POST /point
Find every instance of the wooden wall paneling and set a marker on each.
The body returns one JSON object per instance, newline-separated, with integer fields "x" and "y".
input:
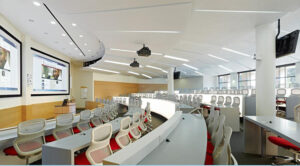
{"x": 104, "y": 89}
{"x": 10, "y": 116}
{"x": 149, "y": 88}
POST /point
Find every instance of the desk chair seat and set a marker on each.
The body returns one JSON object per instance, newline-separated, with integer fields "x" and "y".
{"x": 217, "y": 109}
{"x": 81, "y": 159}
{"x": 209, "y": 160}
{"x": 280, "y": 102}
{"x": 208, "y": 135}
{"x": 76, "y": 130}
{"x": 50, "y": 138}
{"x": 114, "y": 145}
{"x": 283, "y": 143}
{"x": 209, "y": 148}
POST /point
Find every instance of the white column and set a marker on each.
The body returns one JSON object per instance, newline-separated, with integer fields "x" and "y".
{"x": 265, "y": 70}
{"x": 171, "y": 81}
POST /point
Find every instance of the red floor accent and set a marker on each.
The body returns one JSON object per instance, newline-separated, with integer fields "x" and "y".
{"x": 10, "y": 151}
{"x": 76, "y": 130}
{"x": 50, "y": 138}
{"x": 209, "y": 160}
{"x": 283, "y": 143}
{"x": 81, "y": 159}
{"x": 209, "y": 148}
{"x": 114, "y": 145}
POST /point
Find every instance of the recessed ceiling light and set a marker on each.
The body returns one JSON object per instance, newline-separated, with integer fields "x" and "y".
{"x": 63, "y": 34}
{"x": 131, "y": 72}
{"x": 174, "y": 32}
{"x": 223, "y": 67}
{"x": 115, "y": 62}
{"x": 36, "y": 3}
{"x": 153, "y": 67}
{"x": 156, "y": 53}
{"x": 199, "y": 73}
{"x": 238, "y": 11}
{"x": 236, "y": 52}
{"x": 189, "y": 66}
{"x": 74, "y": 25}
{"x": 176, "y": 58}
{"x": 164, "y": 71}
{"x": 216, "y": 57}
{"x": 53, "y": 22}
{"x": 146, "y": 76}
{"x": 80, "y": 35}
{"x": 71, "y": 43}
{"x": 110, "y": 71}
{"x": 85, "y": 44}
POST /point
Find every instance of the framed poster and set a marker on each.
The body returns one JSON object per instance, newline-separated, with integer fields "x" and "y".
{"x": 10, "y": 65}
{"x": 50, "y": 75}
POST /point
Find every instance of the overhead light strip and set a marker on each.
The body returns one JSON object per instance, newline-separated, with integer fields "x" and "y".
{"x": 189, "y": 66}
{"x": 176, "y": 58}
{"x": 238, "y": 11}
{"x": 168, "y": 32}
{"x": 236, "y": 52}
{"x": 105, "y": 70}
{"x": 199, "y": 73}
{"x": 223, "y": 67}
{"x": 63, "y": 29}
{"x": 157, "y": 68}
{"x": 146, "y": 76}
{"x": 118, "y": 63}
{"x": 131, "y": 72}
{"x": 216, "y": 57}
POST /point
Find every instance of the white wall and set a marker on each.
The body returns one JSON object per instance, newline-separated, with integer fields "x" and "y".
{"x": 27, "y": 62}
{"x": 189, "y": 83}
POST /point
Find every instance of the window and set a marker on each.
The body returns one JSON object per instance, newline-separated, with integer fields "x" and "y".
{"x": 246, "y": 80}
{"x": 224, "y": 81}
{"x": 285, "y": 76}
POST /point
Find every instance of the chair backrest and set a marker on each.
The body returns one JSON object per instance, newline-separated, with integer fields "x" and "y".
{"x": 222, "y": 153}
{"x": 122, "y": 137}
{"x": 100, "y": 144}
{"x": 236, "y": 102}
{"x": 228, "y": 101}
{"x": 213, "y": 99}
{"x": 220, "y": 100}
{"x": 84, "y": 123}
{"x": 97, "y": 100}
{"x": 134, "y": 131}
{"x": 30, "y": 137}
{"x": 281, "y": 92}
{"x": 295, "y": 91}
{"x": 297, "y": 113}
{"x": 214, "y": 122}
{"x": 218, "y": 133}
{"x": 63, "y": 126}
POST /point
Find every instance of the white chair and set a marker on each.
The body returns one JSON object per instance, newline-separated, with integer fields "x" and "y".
{"x": 218, "y": 131}
{"x": 213, "y": 122}
{"x": 297, "y": 113}
{"x": 213, "y": 99}
{"x": 84, "y": 123}
{"x": 245, "y": 92}
{"x": 30, "y": 138}
{"x": 228, "y": 101}
{"x": 134, "y": 131}
{"x": 142, "y": 125}
{"x": 253, "y": 92}
{"x": 220, "y": 100}
{"x": 122, "y": 137}
{"x": 236, "y": 102}
{"x": 104, "y": 117}
{"x": 99, "y": 147}
{"x": 222, "y": 153}
{"x": 63, "y": 126}
{"x": 96, "y": 121}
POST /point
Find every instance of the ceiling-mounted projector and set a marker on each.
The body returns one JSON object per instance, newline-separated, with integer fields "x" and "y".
{"x": 145, "y": 51}
{"x": 134, "y": 63}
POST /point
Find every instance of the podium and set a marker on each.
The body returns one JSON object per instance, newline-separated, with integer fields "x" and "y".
{"x": 69, "y": 108}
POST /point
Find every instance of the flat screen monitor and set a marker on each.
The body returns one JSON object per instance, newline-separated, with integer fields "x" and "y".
{"x": 50, "y": 75}
{"x": 287, "y": 44}
{"x": 10, "y": 65}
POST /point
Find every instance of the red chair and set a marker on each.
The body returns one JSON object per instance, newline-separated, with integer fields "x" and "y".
{"x": 286, "y": 145}
{"x": 50, "y": 138}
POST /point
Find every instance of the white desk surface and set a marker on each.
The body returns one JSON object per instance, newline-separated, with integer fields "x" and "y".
{"x": 187, "y": 144}
{"x": 284, "y": 128}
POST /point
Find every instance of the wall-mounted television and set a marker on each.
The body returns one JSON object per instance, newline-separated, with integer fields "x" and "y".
{"x": 287, "y": 44}
{"x": 10, "y": 65}
{"x": 50, "y": 75}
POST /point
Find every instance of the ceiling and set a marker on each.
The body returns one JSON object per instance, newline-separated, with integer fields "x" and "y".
{"x": 195, "y": 30}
